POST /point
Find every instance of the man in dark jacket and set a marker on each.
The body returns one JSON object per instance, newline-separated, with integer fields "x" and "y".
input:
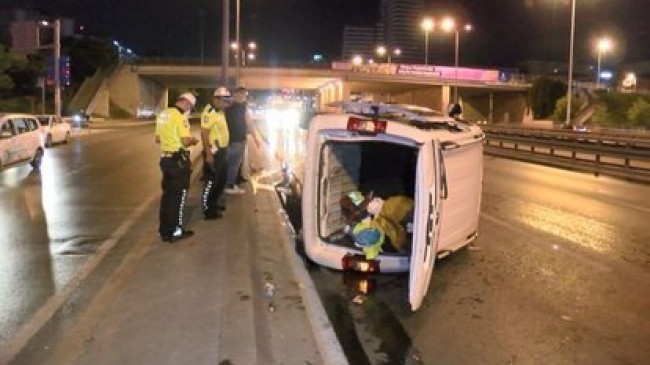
{"x": 240, "y": 124}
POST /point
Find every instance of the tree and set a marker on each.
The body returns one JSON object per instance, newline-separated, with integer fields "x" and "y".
{"x": 639, "y": 112}
{"x": 559, "y": 115}
{"x": 544, "y": 95}
{"x": 7, "y": 61}
{"x": 602, "y": 116}
{"x": 87, "y": 54}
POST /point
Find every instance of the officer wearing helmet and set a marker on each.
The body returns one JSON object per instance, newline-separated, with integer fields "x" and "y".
{"x": 215, "y": 139}
{"x": 173, "y": 136}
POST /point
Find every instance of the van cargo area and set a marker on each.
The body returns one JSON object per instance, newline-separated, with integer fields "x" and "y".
{"x": 382, "y": 168}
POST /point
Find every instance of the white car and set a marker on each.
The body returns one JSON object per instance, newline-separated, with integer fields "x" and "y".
{"x": 20, "y": 140}
{"x": 392, "y": 152}
{"x": 54, "y": 130}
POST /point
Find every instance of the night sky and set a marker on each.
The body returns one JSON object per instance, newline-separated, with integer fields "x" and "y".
{"x": 507, "y": 32}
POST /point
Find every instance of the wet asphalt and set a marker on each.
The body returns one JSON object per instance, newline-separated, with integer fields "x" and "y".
{"x": 53, "y": 221}
{"x": 560, "y": 274}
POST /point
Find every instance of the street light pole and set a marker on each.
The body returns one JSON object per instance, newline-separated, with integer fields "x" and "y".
{"x": 57, "y": 68}
{"x": 456, "y": 52}
{"x": 600, "y": 56}
{"x": 238, "y": 26}
{"x": 570, "y": 77}
{"x": 426, "y": 47}
{"x": 201, "y": 13}
{"x": 427, "y": 26}
{"x": 603, "y": 45}
{"x": 225, "y": 42}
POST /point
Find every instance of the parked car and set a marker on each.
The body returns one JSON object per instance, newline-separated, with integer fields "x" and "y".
{"x": 54, "y": 130}
{"x": 20, "y": 140}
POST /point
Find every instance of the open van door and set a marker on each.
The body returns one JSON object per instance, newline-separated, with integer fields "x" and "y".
{"x": 428, "y": 187}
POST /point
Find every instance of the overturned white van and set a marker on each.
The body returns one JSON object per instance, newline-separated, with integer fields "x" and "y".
{"x": 392, "y": 150}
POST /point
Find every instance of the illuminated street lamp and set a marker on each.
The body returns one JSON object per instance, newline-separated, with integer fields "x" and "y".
{"x": 448, "y": 24}
{"x": 250, "y": 57}
{"x": 381, "y": 52}
{"x": 397, "y": 52}
{"x": 602, "y": 45}
{"x": 242, "y": 54}
{"x": 427, "y": 25}
{"x": 357, "y": 60}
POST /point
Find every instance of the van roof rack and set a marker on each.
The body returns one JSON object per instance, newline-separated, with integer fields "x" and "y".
{"x": 417, "y": 116}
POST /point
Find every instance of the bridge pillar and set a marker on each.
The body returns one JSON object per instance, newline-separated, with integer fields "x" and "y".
{"x": 163, "y": 100}
{"x": 445, "y": 98}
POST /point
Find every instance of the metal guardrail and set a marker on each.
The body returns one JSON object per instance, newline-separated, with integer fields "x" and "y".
{"x": 623, "y": 157}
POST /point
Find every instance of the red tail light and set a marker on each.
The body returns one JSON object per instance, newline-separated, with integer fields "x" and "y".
{"x": 359, "y": 263}
{"x": 366, "y": 126}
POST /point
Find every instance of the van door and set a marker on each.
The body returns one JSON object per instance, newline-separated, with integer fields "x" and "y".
{"x": 428, "y": 187}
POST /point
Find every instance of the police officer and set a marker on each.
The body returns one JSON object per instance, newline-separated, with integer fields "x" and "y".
{"x": 173, "y": 135}
{"x": 215, "y": 138}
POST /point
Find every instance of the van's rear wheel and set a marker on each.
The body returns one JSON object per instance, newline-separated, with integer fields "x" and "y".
{"x": 38, "y": 158}
{"x": 48, "y": 140}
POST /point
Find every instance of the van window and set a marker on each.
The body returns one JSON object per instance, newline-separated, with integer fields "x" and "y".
{"x": 7, "y": 130}
{"x": 33, "y": 124}
{"x": 44, "y": 121}
{"x": 385, "y": 169}
{"x": 21, "y": 125}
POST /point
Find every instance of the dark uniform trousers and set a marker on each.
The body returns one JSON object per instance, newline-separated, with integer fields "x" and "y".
{"x": 214, "y": 180}
{"x": 176, "y": 171}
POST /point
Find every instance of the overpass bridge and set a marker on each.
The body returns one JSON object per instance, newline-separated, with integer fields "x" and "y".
{"x": 483, "y": 93}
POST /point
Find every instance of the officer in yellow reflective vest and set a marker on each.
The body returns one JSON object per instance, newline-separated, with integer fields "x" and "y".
{"x": 173, "y": 135}
{"x": 214, "y": 137}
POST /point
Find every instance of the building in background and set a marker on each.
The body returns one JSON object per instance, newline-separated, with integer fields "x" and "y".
{"x": 398, "y": 28}
{"x": 360, "y": 41}
{"x": 9, "y": 15}
{"x": 400, "y": 25}
{"x": 26, "y": 37}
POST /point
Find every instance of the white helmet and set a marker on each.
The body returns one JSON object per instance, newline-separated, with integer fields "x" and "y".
{"x": 189, "y": 97}
{"x": 222, "y": 91}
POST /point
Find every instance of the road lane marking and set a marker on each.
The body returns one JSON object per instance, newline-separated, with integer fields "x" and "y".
{"x": 13, "y": 347}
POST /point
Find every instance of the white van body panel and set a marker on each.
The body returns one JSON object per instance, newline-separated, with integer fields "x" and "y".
{"x": 464, "y": 173}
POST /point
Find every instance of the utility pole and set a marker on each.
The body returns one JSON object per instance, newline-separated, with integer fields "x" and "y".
{"x": 225, "y": 42}
{"x": 201, "y": 13}
{"x": 238, "y": 58}
{"x": 569, "y": 92}
{"x": 57, "y": 67}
